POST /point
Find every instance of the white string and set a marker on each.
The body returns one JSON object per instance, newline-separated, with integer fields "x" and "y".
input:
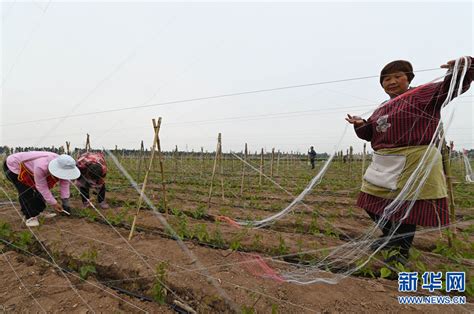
{"x": 315, "y": 181}
{"x": 467, "y": 167}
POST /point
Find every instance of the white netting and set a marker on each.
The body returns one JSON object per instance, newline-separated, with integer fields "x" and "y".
{"x": 467, "y": 166}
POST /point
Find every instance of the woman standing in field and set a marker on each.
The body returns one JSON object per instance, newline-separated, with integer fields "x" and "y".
{"x": 34, "y": 174}
{"x": 400, "y": 132}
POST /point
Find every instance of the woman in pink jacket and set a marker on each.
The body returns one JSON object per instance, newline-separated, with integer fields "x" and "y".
{"x": 34, "y": 174}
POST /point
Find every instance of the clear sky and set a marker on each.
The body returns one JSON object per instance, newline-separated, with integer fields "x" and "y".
{"x": 68, "y": 58}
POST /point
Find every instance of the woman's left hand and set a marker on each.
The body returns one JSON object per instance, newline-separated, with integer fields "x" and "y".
{"x": 450, "y": 63}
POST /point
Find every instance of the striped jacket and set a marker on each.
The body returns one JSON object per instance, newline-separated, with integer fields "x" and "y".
{"x": 409, "y": 120}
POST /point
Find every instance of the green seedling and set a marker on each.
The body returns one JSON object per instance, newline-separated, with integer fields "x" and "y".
{"x": 159, "y": 291}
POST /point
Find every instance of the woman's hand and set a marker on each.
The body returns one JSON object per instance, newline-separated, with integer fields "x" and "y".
{"x": 58, "y": 207}
{"x": 355, "y": 120}
{"x": 450, "y": 63}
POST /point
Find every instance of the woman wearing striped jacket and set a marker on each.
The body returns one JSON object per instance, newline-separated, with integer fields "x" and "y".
{"x": 400, "y": 132}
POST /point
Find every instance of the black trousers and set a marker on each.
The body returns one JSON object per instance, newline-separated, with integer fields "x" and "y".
{"x": 31, "y": 201}
{"x": 85, "y": 193}
{"x": 401, "y": 239}
{"x": 312, "y": 163}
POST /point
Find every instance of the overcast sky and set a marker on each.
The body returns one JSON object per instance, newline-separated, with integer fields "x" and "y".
{"x": 69, "y": 58}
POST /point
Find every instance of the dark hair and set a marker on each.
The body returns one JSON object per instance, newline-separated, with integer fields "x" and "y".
{"x": 397, "y": 66}
{"x": 94, "y": 171}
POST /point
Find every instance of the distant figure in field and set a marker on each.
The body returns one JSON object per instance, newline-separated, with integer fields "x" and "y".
{"x": 34, "y": 174}
{"x": 93, "y": 171}
{"x": 312, "y": 156}
{"x": 400, "y": 132}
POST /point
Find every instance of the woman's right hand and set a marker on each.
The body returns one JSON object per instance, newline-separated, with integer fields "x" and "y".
{"x": 58, "y": 207}
{"x": 355, "y": 120}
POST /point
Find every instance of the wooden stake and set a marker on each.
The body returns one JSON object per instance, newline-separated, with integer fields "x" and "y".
{"x": 350, "y": 160}
{"x": 271, "y": 165}
{"x": 176, "y": 163}
{"x": 461, "y": 161}
{"x": 243, "y": 170}
{"x": 88, "y": 143}
{"x": 278, "y": 163}
{"x": 145, "y": 180}
{"x": 261, "y": 168}
{"x": 449, "y": 183}
{"x": 140, "y": 160}
{"x": 157, "y": 126}
{"x": 68, "y": 148}
{"x": 221, "y": 164}
{"x": 363, "y": 161}
{"x": 214, "y": 170}
{"x": 202, "y": 162}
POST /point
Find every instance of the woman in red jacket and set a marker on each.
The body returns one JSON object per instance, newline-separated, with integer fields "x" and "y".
{"x": 400, "y": 132}
{"x": 93, "y": 171}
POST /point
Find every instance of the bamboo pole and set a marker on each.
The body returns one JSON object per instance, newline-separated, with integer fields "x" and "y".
{"x": 363, "y": 161}
{"x": 216, "y": 157}
{"x": 140, "y": 160}
{"x": 221, "y": 164}
{"x": 449, "y": 183}
{"x": 88, "y": 143}
{"x": 273, "y": 160}
{"x": 214, "y": 170}
{"x": 145, "y": 180}
{"x": 278, "y": 164}
{"x": 157, "y": 126}
{"x": 261, "y": 168}
{"x": 451, "y": 149}
{"x": 350, "y": 160}
{"x": 202, "y": 162}
{"x": 68, "y": 148}
{"x": 176, "y": 163}
{"x": 243, "y": 170}
{"x": 448, "y": 175}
